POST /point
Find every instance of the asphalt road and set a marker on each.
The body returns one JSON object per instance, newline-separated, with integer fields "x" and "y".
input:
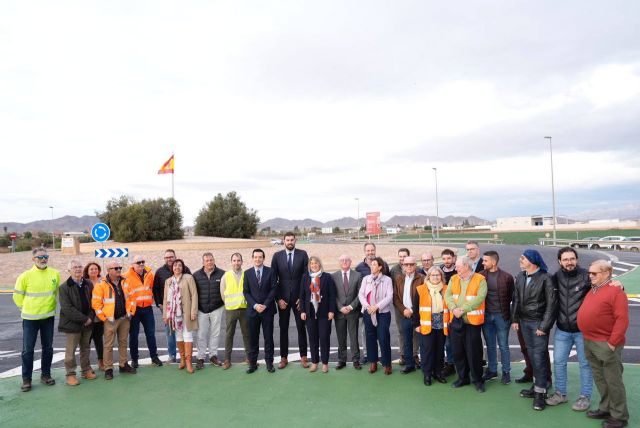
{"x": 11, "y": 330}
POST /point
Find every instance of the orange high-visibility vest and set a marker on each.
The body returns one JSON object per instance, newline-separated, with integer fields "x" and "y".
{"x": 425, "y": 310}
{"x": 103, "y": 299}
{"x": 475, "y": 317}
{"x": 141, "y": 292}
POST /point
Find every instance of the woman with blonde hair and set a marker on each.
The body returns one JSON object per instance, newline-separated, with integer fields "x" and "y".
{"x": 180, "y": 311}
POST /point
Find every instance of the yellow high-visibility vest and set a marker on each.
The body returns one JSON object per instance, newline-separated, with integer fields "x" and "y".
{"x": 234, "y": 292}
{"x": 36, "y": 293}
{"x": 475, "y": 317}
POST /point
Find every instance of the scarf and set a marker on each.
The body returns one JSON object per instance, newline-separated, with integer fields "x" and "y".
{"x": 372, "y": 297}
{"x": 435, "y": 291}
{"x": 175, "y": 305}
{"x": 314, "y": 287}
{"x": 534, "y": 257}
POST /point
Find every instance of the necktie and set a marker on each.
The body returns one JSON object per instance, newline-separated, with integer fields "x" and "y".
{"x": 290, "y": 262}
{"x": 258, "y": 276}
{"x": 345, "y": 283}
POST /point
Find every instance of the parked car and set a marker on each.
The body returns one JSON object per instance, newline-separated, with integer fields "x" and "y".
{"x": 584, "y": 244}
{"x": 597, "y": 245}
{"x": 276, "y": 241}
{"x": 631, "y": 243}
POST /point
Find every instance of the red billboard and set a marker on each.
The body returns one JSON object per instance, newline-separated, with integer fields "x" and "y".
{"x": 373, "y": 223}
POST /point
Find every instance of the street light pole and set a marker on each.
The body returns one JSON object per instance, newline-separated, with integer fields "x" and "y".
{"x": 553, "y": 191}
{"x": 358, "y": 216}
{"x": 53, "y": 237}
{"x": 435, "y": 171}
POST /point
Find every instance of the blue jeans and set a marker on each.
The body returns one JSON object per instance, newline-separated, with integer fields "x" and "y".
{"x": 562, "y": 343}
{"x": 407, "y": 332}
{"x": 538, "y": 348}
{"x": 495, "y": 326}
{"x": 378, "y": 334}
{"x": 171, "y": 341}
{"x": 447, "y": 347}
{"x": 144, "y": 316}
{"x": 30, "y": 330}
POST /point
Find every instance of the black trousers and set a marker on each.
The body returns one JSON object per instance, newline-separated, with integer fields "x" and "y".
{"x": 432, "y": 352}
{"x": 283, "y": 322}
{"x": 266, "y": 322}
{"x": 96, "y": 336}
{"x": 319, "y": 333}
{"x": 467, "y": 351}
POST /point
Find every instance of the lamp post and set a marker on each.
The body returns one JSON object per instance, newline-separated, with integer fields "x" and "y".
{"x": 435, "y": 171}
{"x": 358, "y": 216}
{"x": 53, "y": 237}
{"x": 553, "y": 191}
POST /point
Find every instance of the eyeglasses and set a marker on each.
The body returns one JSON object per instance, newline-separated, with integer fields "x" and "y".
{"x": 427, "y": 260}
{"x": 119, "y": 268}
{"x": 76, "y": 267}
{"x": 594, "y": 273}
{"x": 170, "y": 257}
{"x": 141, "y": 262}
{"x": 45, "y": 257}
{"x": 409, "y": 264}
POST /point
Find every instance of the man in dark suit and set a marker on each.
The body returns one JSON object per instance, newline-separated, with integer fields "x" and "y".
{"x": 260, "y": 293}
{"x": 288, "y": 267}
{"x": 347, "y": 282}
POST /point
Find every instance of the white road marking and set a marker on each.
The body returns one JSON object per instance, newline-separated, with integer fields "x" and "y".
{"x": 58, "y": 356}
{"x": 627, "y": 264}
{"x": 620, "y": 269}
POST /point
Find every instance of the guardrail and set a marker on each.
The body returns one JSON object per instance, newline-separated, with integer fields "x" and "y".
{"x": 583, "y": 243}
{"x": 449, "y": 240}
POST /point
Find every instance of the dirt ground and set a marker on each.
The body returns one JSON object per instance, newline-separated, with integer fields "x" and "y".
{"x": 190, "y": 250}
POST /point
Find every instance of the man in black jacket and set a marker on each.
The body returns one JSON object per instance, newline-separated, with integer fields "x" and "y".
{"x": 534, "y": 309}
{"x": 76, "y": 320}
{"x": 288, "y": 267}
{"x": 572, "y": 283}
{"x": 160, "y": 277}
{"x": 210, "y": 308}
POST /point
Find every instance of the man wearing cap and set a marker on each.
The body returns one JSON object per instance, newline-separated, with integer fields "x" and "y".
{"x": 35, "y": 295}
{"x": 140, "y": 280}
{"x": 534, "y": 312}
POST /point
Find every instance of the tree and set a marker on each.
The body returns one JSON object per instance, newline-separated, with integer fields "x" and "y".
{"x": 227, "y": 217}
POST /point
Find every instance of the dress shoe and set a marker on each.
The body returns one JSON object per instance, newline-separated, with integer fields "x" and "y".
{"x": 341, "y": 365}
{"x": 598, "y": 414}
{"x": 357, "y": 365}
{"x": 72, "y": 380}
{"x": 156, "y": 362}
{"x": 488, "y": 375}
{"x": 506, "y": 378}
{"x": 215, "y": 361}
{"x": 484, "y": 363}
{"x": 283, "y": 363}
{"x": 459, "y": 383}
{"x": 226, "y": 365}
{"x": 448, "y": 369}
{"x": 388, "y": 370}
{"x": 304, "y": 362}
{"x": 134, "y": 364}
{"x": 373, "y": 368}
{"x": 313, "y": 368}
{"x": 407, "y": 370}
{"x": 440, "y": 378}
{"x": 427, "y": 380}
{"x": 126, "y": 369}
{"x": 401, "y": 361}
{"x": 524, "y": 379}
{"x": 199, "y": 364}
{"x": 480, "y": 387}
{"x": 270, "y": 368}
{"x": 539, "y": 400}
{"x": 47, "y": 380}
{"x": 527, "y": 393}
{"x": 89, "y": 375}
{"x": 108, "y": 374}
{"x": 26, "y": 385}
{"x": 416, "y": 361}
{"x": 252, "y": 369}
{"x": 325, "y": 368}
{"x": 614, "y": 423}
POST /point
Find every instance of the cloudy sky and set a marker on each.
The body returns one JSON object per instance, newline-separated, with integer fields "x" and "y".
{"x": 302, "y": 106}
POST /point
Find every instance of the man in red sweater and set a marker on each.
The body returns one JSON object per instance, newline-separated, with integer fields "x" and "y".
{"x": 603, "y": 319}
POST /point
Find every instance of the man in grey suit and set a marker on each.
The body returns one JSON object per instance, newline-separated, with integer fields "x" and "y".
{"x": 347, "y": 282}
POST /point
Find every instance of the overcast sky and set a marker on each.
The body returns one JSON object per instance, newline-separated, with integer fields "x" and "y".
{"x": 302, "y": 106}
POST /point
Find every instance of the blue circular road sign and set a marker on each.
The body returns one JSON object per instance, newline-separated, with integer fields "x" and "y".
{"x": 100, "y": 232}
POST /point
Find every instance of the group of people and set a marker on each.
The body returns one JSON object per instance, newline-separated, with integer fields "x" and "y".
{"x": 442, "y": 313}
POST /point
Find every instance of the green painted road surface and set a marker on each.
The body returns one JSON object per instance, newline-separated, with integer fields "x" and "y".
{"x": 522, "y": 238}
{"x": 167, "y": 397}
{"x": 631, "y": 281}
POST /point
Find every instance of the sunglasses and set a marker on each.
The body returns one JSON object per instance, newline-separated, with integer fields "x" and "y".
{"x": 116, "y": 268}
{"x": 141, "y": 262}
{"x": 42, "y": 257}
{"x": 594, "y": 273}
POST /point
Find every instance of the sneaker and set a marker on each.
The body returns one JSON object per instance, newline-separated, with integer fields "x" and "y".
{"x": 506, "y": 378}
{"x": 200, "y": 364}
{"x": 539, "y": 400}
{"x": 72, "y": 380}
{"x": 26, "y": 385}
{"x": 582, "y": 404}
{"x": 47, "y": 380}
{"x": 558, "y": 398}
{"x": 108, "y": 374}
{"x": 156, "y": 362}
{"x": 173, "y": 359}
{"x": 127, "y": 369}
{"x": 489, "y": 375}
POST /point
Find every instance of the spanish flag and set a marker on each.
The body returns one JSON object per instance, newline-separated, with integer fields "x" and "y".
{"x": 167, "y": 167}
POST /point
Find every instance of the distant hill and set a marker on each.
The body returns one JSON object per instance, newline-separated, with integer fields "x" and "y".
{"x": 350, "y": 222}
{"x": 67, "y": 223}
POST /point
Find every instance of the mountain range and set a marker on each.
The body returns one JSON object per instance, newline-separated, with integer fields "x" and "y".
{"x": 279, "y": 223}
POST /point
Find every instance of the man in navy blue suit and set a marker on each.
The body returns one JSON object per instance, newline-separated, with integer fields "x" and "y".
{"x": 288, "y": 267}
{"x": 260, "y": 293}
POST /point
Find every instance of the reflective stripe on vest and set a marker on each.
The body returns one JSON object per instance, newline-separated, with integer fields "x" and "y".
{"x": 425, "y": 311}
{"x": 233, "y": 292}
{"x": 144, "y": 298}
{"x": 20, "y": 292}
{"x": 37, "y": 316}
{"x": 45, "y": 294}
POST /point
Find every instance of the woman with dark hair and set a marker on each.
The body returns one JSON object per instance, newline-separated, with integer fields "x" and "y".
{"x": 92, "y": 272}
{"x": 180, "y": 311}
{"x": 318, "y": 305}
{"x": 376, "y": 295}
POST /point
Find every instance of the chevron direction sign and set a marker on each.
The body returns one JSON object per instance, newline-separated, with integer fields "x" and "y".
{"x": 106, "y": 253}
